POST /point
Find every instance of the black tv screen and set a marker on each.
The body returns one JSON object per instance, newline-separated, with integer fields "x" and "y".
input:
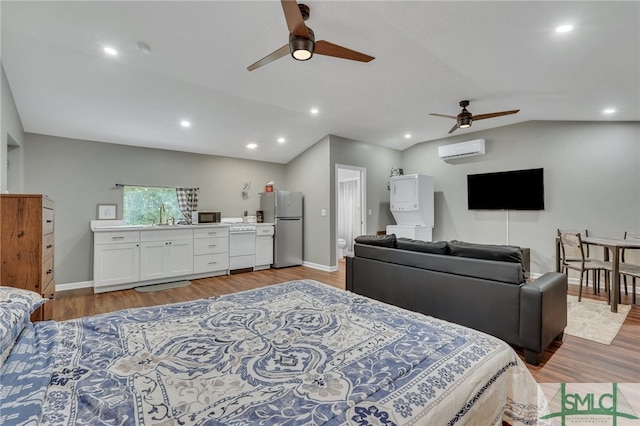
{"x": 512, "y": 190}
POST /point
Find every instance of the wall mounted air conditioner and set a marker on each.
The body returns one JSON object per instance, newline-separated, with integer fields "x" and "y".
{"x": 461, "y": 150}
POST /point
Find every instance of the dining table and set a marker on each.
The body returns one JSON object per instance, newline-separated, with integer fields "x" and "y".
{"x": 614, "y": 245}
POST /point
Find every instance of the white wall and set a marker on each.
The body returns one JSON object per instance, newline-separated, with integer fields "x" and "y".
{"x": 591, "y": 173}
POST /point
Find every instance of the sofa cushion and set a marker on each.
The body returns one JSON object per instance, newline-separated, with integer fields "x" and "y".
{"x": 436, "y": 247}
{"x": 500, "y": 253}
{"x": 377, "y": 240}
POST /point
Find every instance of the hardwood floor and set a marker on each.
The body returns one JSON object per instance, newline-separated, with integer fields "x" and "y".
{"x": 573, "y": 360}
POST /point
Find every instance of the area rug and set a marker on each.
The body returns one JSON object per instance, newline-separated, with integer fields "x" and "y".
{"x": 593, "y": 319}
{"x": 163, "y": 286}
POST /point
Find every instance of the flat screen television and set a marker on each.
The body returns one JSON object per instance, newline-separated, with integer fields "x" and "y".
{"x": 512, "y": 190}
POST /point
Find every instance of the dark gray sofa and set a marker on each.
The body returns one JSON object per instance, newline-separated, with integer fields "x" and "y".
{"x": 479, "y": 286}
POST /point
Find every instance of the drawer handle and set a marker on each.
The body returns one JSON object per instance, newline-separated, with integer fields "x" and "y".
{"x": 117, "y": 238}
{"x": 49, "y": 221}
{"x": 213, "y": 245}
{"x": 212, "y": 263}
{"x": 49, "y": 245}
{"x": 213, "y": 233}
{"x": 49, "y": 271}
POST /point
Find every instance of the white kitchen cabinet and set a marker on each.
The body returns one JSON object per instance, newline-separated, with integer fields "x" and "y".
{"x": 211, "y": 250}
{"x": 166, "y": 253}
{"x": 116, "y": 259}
{"x": 264, "y": 247}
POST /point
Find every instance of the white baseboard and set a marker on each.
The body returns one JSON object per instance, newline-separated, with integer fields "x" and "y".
{"x": 324, "y": 268}
{"x": 74, "y": 286}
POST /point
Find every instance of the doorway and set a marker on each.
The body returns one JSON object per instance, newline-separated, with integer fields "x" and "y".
{"x": 350, "y": 207}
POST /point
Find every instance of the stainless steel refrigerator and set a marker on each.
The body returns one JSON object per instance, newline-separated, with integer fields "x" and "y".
{"x": 284, "y": 209}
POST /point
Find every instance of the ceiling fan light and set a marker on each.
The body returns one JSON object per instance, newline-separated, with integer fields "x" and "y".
{"x": 301, "y": 48}
{"x": 464, "y": 122}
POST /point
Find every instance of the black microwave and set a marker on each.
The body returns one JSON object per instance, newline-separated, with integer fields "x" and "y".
{"x": 200, "y": 217}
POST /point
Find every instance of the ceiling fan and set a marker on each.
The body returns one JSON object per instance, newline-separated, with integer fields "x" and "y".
{"x": 302, "y": 44}
{"x": 465, "y": 118}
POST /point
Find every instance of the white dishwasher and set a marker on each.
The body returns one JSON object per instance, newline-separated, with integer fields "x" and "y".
{"x": 242, "y": 246}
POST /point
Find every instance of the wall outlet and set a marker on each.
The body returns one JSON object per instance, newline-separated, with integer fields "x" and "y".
{"x": 323, "y": 212}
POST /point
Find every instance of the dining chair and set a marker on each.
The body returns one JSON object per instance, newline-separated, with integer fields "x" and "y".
{"x": 628, "y": 269}
{"x": 572, "y": 241}
{"x": 573, "y": 255}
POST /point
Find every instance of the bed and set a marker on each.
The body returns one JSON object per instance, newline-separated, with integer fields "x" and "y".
{"x": 294, "y": 353}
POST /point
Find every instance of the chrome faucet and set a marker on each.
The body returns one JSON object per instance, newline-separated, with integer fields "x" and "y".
{"x": 161, "y": 211}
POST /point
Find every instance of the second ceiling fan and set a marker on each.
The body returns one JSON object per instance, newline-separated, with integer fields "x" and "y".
{"x": 465, "y": 118}
{"x": 302, "y": 44}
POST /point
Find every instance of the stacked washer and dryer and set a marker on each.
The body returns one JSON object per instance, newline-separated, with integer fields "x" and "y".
{"x": 411, "y": 200}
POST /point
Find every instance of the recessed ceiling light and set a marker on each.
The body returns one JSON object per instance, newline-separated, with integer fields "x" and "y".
{"x": 407, "y": 135}
{"x": 185, "y": 123}
{"x": 110, "y": 51}
{"x": 564, "y": 28}
{"x": 252, "y": 145}
{"x": 609, "y": 111}
{"x": 281, "y": 140}
{"x": 314, "y": 111}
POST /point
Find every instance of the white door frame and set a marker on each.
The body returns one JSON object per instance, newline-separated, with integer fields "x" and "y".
{"x": 363, "y": 199}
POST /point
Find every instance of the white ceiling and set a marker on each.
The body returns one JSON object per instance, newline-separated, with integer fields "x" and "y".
{"x": 429, "y": 55}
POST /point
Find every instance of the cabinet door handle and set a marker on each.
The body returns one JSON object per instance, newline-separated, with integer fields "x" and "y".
{"x": 49, "y": 245}
{"x": 49, "y": 271}
{"x": 49, "y": 221}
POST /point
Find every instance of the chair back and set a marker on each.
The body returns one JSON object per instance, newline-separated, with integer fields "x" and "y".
{"x": 584, "y": 233}
{"x": 629, "y": 236}
{"x": 573, "y": 240}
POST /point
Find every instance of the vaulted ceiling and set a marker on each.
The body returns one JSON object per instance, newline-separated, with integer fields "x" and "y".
{"x": 429, "y": 55}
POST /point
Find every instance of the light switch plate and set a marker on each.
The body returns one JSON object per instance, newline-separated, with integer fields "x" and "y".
{"x": 323, "y": 212}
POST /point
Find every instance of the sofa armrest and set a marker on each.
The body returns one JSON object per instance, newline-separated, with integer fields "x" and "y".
{"x": 349, "y": 273}
{"x": 543, "y": 311}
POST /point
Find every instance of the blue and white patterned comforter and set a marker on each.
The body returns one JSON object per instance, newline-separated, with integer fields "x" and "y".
{"x": 293, "y": 353}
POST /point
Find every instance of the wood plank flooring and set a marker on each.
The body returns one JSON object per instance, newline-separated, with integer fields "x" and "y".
{"x": 573, "y": 360}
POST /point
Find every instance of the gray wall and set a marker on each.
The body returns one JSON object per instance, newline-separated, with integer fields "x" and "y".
{"x": 11, "y": 141}
{"x": 378, "y": 162}
{"x": 309, "y": 173}
{"x": 313, "y": 172}
{"x": 79, "y": 174}
{"x": 592, "y": 181}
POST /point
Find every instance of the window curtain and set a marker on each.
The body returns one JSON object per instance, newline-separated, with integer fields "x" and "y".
{"x": 348, "y": 212}
{"x": 187, "y": 201}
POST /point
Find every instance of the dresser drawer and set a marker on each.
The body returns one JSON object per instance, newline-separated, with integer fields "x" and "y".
{"x": 116, "y": 237}
{"x": 47, "y": 245}
{"x": 47, "y": 221}
{"x": 47, "y": 274}
{"x": 222, "y": 231}
{"x": 210, "y": 263}
{"x": 49, "y": 291}
{"x": 210, "y": 245}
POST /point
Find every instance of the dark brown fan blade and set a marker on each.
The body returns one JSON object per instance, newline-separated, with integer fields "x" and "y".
{"x": 295, "y": 22}
{"x": 445, "y": 116}
{"x": 323, "y": 47}
{"x": 453, "y": 129}
{"x": 493, "y": 114}
{"x": 283, "y": 51}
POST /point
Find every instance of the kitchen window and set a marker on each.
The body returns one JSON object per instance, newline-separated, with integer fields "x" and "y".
{"x": 141, "y": 205}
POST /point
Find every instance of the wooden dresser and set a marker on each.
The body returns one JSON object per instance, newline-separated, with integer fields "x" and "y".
{"x": 26, "y": 247}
